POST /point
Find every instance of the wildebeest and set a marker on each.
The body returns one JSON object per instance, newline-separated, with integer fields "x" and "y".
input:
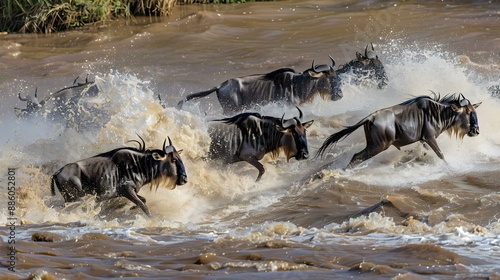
{"x": 250, "y": 136}
{"x": 365, "y": 69}
{"x": 61, "y": 103}
{"x": 76, "y": 106}
{"x": 422, "y": 118}
{"x": 282, "y": 85}
{"x": 494, "y": 90}
{"x": 32, "y": 105}
{"x": 121, "y": 172}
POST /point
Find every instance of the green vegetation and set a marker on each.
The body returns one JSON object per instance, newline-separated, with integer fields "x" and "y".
{"x": 46, "y": 16}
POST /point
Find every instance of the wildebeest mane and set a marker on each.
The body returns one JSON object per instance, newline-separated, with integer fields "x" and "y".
{"x": 275, "y": 74}
{"x": 141, "y": 149}
{"x": 248, "y": 125}
{"x": 436, "y": 97}
{"x": 238, "y": 119}
{"x": 113, "y": 152}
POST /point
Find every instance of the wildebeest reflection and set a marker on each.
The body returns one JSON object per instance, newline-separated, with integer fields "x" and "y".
{"x": 250, "y": 136}
{"x": 282, "y": 85}
{"x": 366, "y": 69}
{"x": 121, "y": 172}
{"x": 422, "y": 118}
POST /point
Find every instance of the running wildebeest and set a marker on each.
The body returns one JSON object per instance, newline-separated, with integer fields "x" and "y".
{"x": 282, "y": 85}
{"x": 250, "y": 136}
{"x": 422, "y": 118}
{"x": 59, "y": 104}
{"x": 365, "y": 69}
{"x": 77, "y": 106}
{"x": 121, "y": 172}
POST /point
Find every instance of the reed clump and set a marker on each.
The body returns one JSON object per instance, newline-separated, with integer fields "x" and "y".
{"x": 46, "y": 16}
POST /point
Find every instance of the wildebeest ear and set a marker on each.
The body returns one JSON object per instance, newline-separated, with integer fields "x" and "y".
{"x": 308, "y": 124}
{"x": 476, "y": 105}
{"x": 157, "y": 156}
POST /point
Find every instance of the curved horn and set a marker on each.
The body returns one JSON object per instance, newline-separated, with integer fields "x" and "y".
{"x": 142, "y": 145}
{"x": 313, "y": 67}
{"x": 370, "y": 54}
{"x": 143, "y": 148}
{"x": 22, "y": 99}
{"x": 36, "y": 92}
{"x": 333, "y": 61}
{"x": 168, "y": 149}
{"x": 300, "y": 113}
{"x": 463, "y": 101}
{"x": 76, "y": 79}
{"x": 282, "y": 117}
{"x": 139, "y": 143}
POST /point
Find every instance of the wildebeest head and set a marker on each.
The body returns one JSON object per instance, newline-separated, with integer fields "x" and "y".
{"x": 366, "y": 66}
{"x": 171, "y": 171}
{"x": 294, "y": 141}
{"x": 32, "y": 104}
{"x": 466, "y": 123}
{"x": 327, "y": 81}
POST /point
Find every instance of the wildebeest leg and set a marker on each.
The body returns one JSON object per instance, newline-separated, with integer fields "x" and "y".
{"x": 377, "y": 140}
{"x": 431, "y": 141}
{"x": 71, "y": 189}
{"x": 128, "y": 191}
{"x": 365, "y": 154}
{"x": 253, "y": 161}
{"x": 142, "y": 199}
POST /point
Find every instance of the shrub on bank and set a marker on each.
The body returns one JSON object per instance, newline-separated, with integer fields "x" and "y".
{"x": 45, "y": 16}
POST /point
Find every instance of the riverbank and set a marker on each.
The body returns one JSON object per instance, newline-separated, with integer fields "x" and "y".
{"x": 45, "y": 16}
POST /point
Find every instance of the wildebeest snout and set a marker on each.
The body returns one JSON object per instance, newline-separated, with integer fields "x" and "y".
{"x": 181, "y": 179}
{"x": 302, "y": 155}
{"x": 474, "y": 127}
{"x": 337, "y": 95}
{"x": 473, "y": 131}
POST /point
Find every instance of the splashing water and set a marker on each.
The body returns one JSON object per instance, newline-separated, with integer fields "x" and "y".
{"x": 226, "y": 201}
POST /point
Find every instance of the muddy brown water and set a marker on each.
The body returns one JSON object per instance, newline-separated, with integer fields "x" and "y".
{"x": 305, "y": 219}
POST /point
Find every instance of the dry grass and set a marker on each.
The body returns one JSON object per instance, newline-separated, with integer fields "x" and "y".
{"x": 46, "y": 16}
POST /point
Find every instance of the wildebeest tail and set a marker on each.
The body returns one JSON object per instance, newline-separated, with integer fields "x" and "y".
{"x": 53, "y": 183}
{"x": 334, "y": 138}
{"x": 196, "y": 96}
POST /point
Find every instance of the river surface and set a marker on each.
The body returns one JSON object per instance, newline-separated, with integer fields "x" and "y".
{"x": 303, "y": 219}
